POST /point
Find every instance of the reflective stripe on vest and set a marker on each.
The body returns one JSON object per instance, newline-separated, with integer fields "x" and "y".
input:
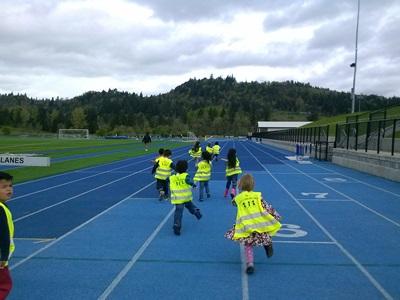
{"x": 195, "y": 154}
{"x": 180, "y": 191}
{"x": 235, "y": 170}
{"x": 252, "y": 217}
{"x": 10, "y": 224}
{"x": 216, "y": 149}
{"x": 164, "y": 168}
{"x": 203, "y": 171}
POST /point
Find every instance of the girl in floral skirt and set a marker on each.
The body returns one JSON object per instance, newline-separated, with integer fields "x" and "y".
{"x": 256, "y": 221}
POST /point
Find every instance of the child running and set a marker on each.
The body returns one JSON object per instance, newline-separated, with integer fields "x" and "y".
{"x": 232, "y": 171}
{"x": 160, "y": 154}
{"x": 256, "y": 221}
{"x": 203, "y": 174}
{"x": 209, "y": 149}
{"x": 216, "y": 149}
{"x": 162, "y": 169}
{"x": 6, "y": 234}
{"x": 181, "y": 195}
{"x": 195, "y": 152}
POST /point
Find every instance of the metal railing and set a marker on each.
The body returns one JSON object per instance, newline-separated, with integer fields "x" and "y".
{"x": 376, "y": 135}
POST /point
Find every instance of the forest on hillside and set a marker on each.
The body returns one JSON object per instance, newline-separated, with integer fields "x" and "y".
{"x": 220, "y": 106}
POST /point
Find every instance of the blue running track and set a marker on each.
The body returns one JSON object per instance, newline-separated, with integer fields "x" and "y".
{"x": 101, "y": 233}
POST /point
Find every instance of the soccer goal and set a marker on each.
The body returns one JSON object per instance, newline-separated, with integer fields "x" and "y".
{"x": 73, "y": 133}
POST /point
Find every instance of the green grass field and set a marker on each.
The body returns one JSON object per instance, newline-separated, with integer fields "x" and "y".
{"x": 54, "y": 148}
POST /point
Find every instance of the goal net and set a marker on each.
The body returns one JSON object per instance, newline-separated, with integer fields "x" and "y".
{"x": 73, "y": 133}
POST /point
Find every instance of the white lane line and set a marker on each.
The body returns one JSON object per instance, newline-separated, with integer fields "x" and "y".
{"x": 325, "y": 200}
{"x": 363, "y": 270}
{"x": 336, "y": 172}
{"x": 81, "y": 194}
{"x": 335, "y": 190}
{"x": 245, "y": 277}
{"x": 73, "y": 181}
{"x": 76, "y": 196}
{"x": 304, "y": 242}
{"x": 77, "y": 228}
{"x": 89, "y": 168}
{"x": 135, "y": 257}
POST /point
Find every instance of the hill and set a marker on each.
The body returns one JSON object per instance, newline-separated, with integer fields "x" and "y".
{"x": 204, "y": 106}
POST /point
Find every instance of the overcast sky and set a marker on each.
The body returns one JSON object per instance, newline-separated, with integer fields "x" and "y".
{"x": 65, "y": 48}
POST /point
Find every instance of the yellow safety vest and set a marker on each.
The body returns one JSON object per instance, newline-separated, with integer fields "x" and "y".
{"x": 195, "y": 154}
{"x": 164, "y": 168}
{"x": 10, "y": 224}
{"x": 203, "y": 171}
{"x": 181, "y": 192}
{"x": 252, "y": 217}
{"x": 209, "y": 150}
{"x": 216, "y": 149}
{"x": 232, "y": 171}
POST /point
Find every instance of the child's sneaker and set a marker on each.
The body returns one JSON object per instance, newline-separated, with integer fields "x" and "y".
{"x": 198, "y": 214}
{"x": 250, "y": 268}
{"x": 177, "y": 230}
{"x": 269, "y": 250}
{"x": 201, "y": 199}
{"x": 226, "y": 192}
{"x": 162, "y": 194}
{"x": 208, "y": 196}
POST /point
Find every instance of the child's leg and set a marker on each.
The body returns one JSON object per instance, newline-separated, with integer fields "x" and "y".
{"x": 160, "y": 189}
{"x": 201, "y": 190}
{"x": 178, "y": 218}
{"x": 269, "y": 250}
{"x": 234, "y": 184}
{"x": 5, "y": 283}
{"x": 165, "y": 187}
{"x": 249, "y": 258}
{"x": 228, "y": 184}
{"x": 193, "y": 209}
{"x": 207, "y": 188}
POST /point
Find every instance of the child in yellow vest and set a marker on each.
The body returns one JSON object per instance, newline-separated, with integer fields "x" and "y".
{"x": 203, "y": 174}
{"x": 209, "y": 149}
{"x": 195, "y": 152}
{"x": 256, "y": 221}
{"x": 6, "y": 234}
{"x": 216, "y": 149}
{"x": 181, "y": 195}
{"x": 162, "y": 169}
{"x": 232, "y": 171}
{"x": 160, "y": 154}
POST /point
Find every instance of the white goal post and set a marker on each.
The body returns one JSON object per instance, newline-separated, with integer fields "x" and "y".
{"x": 73, "y": 133}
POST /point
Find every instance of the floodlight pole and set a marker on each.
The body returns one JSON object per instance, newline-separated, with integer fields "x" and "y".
{"x": 353, "y": 96}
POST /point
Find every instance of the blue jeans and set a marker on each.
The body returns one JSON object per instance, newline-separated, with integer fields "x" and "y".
{"x": 204, "y": 184}
{"x": 233, "y": 179}
{"x": 179, "y": 212}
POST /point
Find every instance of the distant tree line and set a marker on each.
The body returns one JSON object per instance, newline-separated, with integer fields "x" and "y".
{"x": 203, "y": 106}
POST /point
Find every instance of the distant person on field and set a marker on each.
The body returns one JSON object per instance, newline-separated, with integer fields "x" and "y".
{"x": 195, "y": 152}
{"x": 162, "y": 169}
{"x": 146, "y": 140}
{"x": 6, "y": 234}
{"x": 256, "y": 221}
{"x": 203, "y": 174}
{"x": 232, "y": 171}
{"x": 181, "y": 195}
{"x": 216, "y": 149}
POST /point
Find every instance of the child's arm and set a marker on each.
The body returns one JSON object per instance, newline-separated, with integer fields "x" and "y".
{"x": 189, "y": 181}
{"x": 4, "y": 239}
{"x": 154, "y": 168}
{"x": 269, "y": 209}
